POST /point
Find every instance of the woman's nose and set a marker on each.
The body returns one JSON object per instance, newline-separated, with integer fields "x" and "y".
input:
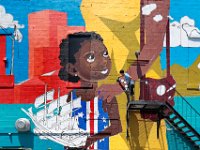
{"x": 103, "y": 61}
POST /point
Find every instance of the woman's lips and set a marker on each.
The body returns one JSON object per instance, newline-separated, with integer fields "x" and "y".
{"x": 104, "y": 71}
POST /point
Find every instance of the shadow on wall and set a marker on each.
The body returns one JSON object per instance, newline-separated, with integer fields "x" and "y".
{"x": 26, "y": 139}
{"x": 126, "y": 34}
{"x": 139, "y": 132}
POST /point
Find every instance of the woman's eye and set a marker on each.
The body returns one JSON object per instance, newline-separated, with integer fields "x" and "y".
{"x": 91, "y": 58}
{"x": 105, "y": 54}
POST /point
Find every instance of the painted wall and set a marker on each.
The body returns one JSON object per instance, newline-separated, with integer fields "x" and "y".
{"x": 110, "y": 36}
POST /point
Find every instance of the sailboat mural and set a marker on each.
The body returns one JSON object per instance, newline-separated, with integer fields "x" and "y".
{"x": 54, "y": 119}
{"x": 40, "y": 100}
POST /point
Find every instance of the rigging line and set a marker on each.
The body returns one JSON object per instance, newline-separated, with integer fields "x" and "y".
{"x": 5, "y": 30}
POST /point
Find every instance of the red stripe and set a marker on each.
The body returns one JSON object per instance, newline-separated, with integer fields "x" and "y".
{"x": 92, "y": 120}
{"x": 2, "y": 55}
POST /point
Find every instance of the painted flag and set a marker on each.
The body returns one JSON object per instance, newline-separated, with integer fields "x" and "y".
{"x": 93, "y": 119}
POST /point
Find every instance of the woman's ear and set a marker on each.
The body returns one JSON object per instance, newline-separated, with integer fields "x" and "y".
{"x": 71, "y": 69}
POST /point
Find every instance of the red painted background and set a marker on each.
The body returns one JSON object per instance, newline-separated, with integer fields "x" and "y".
{"x": 46, "y": 30}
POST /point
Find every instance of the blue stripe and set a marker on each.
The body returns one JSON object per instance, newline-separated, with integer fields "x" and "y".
{"x": 103, "y": 144}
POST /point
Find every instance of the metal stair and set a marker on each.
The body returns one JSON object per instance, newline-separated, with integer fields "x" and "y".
{"x": 184, "y": 128}
{"x": 173, "y": 117}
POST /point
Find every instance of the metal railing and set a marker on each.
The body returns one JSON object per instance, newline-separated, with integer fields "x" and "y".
{"x": 187, "y": 111}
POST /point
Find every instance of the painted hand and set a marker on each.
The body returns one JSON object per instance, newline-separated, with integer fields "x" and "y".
{"x": 108, "y": 92}
{"x": 89, "y": 142}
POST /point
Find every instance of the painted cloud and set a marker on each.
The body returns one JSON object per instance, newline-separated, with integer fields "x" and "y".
{"x": 158, "y": 18}
{"x": 175, "y": 36}
{"x": 7, "y": 21}
{"x": 147, "y": 9}
{"x": 184, "y": 34}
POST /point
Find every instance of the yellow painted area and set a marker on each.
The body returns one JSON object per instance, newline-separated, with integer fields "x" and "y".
{"x": 187, "y": 79}
{"x": 121, "y": 144}
{"x": 155, "y": 70}
{"x": 152, "y": 74}
{"x": 118, "y": 22}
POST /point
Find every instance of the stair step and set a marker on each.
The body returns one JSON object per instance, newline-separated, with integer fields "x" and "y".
{"x": 191, "y": 136}
{"x": 197, "y": 146}
{"x": 196, "y": 140}
{"x": 184, "y": 132}
{"x": 178, "y": 122}
{"x": 192, "y": 141}
{"x": 182, "y": 127}
{"x": 174, "y": 118}
{"x": 178, "y": 127}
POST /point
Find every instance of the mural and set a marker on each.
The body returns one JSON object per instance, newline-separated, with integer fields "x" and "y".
{"x": 60, "y": 61}
{"x": 81, "y": 118}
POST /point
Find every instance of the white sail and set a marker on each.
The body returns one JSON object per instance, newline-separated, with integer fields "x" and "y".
{"x": 52, "y": 122}
{"x": 65, "y": 110}
{"x": 40, "y": 115}
{"x": 63, "y": 100}
{"x": 40, "y": 100}
{"x": 75, "y": 123}
{"x": 65, "y": 125}
{"x": 76, "y": 103}
{"x": 53, "y": 104}
{"x": 70, "y": 124}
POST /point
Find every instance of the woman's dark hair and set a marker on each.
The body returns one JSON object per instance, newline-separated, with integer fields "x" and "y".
{"x": 69, "y": 47}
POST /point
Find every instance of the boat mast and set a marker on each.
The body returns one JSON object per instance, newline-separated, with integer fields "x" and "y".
{"x": 58, "y": 107}
{"x": 45, "y": 105}
{"x": 71, "y": 110}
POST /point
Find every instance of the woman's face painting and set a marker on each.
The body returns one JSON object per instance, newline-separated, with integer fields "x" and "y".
{"x": 92, "y": 61}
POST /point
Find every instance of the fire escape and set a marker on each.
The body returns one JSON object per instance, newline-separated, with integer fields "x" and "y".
{"x": 173, "y": 118}
{"x": 156, "y": 108}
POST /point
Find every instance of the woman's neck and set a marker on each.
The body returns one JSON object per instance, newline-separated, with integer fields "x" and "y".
{"x": 88, "y": 84}
{"x": 87, "y": 90}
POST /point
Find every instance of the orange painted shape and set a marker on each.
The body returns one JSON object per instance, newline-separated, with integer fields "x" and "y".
{"x": 43, "y": 32}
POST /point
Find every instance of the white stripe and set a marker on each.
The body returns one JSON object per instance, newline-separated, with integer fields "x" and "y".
{"x": 88, "y": 111}
{"x": 49, "y": 73}
{"x": 96, "y": 120}
{"x": 88, "y": 117}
